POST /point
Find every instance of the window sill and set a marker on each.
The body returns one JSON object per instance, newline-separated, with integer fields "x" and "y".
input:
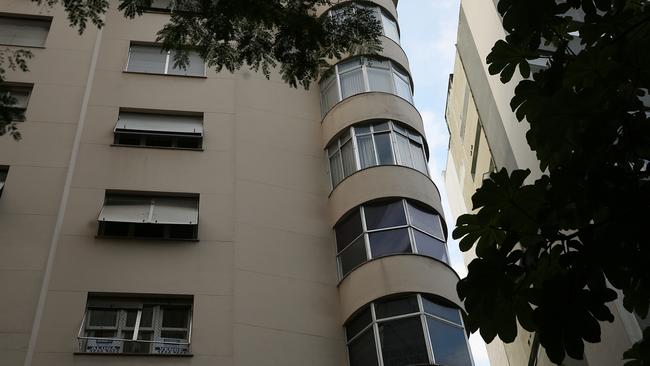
{"x": 22, "y": 46}
{"x": 132, "y": 238}
{"x": 131, "y": 354}
{"x": 173, "y": 75}
{"x": 158, "y": 147}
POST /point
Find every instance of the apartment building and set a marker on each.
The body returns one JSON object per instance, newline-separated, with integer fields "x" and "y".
{"x": 485, "y": 135}
{"x": 156, "y": 215}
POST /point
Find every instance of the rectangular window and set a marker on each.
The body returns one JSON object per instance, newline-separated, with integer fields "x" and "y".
{"x": 136, "y": 325}
{"x": 24, "y": 31}
{"x": 475, "y": 150}
{"x": 16, "y": 97}
{"x": 159, "y": 130}
{"x": 4, "y": 170}
{"x": 151, "y": 59}
{"x": 161, "y": 5}
{"x": 149, "y": 216}
{"x": 463, "y": 113}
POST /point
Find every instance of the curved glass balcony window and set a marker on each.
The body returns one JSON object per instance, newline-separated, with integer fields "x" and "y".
{"x": 364, "y": 74}
{"x": 388, "y": 227}
{"x": 388, "y": 23}
{"x": 406, "y": 330}
{"x": 371, "y": 144}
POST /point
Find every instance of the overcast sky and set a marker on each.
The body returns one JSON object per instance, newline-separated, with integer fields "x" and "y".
{"x": 428, "y": 35}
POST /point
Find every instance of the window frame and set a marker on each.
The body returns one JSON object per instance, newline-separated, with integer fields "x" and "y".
{"x": 168, "y": 62}
{"x": 4, "y": 173}
{"x": 394, "y": 128}
{"x": 423, "y": 316}
{"x": 121, "y": 327}
{"x": 143, "y": 136}
{"x": 394, "y": 69}
{"x": 28, "y": 89}
{"x": 131, "y": 227}
{"x": 365, "y": 233}
{"x": 29, "y": 17}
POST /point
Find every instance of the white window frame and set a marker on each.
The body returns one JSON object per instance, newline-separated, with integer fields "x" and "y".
{"x": 393, "y": 129}
{"x": 120, "y": 327}
{"x": 422, "y": 314}
{"x": 411, "y": 233}
{"x": 394, "y": 69}
{"x": 168, "y": 62}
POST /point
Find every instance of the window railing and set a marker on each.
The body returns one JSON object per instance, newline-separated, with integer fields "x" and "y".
{"x": 129, "y": 346}
{"x": 131, "y": 325}
{"x": 372, "y": 144}
{"x": 364, "y": 74}
{"x": 378, "y": 229}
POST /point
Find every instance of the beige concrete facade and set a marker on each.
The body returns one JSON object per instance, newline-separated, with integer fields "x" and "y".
{"x": 263, "y": 273}
{"x": 485, "y": 134}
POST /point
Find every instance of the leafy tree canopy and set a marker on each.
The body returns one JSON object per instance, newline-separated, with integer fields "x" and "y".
{"x": 230, "y": 34}
{"x": 551, "y": 252}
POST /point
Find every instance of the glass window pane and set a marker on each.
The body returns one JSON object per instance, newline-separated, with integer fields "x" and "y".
{"x": 363, "y": 351}
{"x": 379, "y": 127}
{"x": 379, "y": 80}
{"x": 352, "y": 83}
{"x": 147, "y": 317}
{"x": 402, "y": 342}
{"x": 194, "y": 68}
{"x": 390, "y": 27}
{"x": 131, "y": 315}
{"x": 384, "y": 214}
{"x": 358, "y": 322}
{"x": 149, "y": 59}
{"x": 366, "y": 151}
{"x": 353, "y": 256}
{"x": 403, "y": 149}
{"x": 349, "y": 163}
{"x": 419, "y": 162}
{"x": 336, "y": 169}
{"x": 425, "y": 220}
{"x": 448, "y": 343}
{"x": 403, "y": 89}
{"x": 103, "y": 318}
{"x": 445, "y": 312}
{"x": 396, "y": 306}
{"x": 361, "y": 130}
{"x": 348, "y": 229}
{"x": 329, "y": 93}
{"x": 384, "y": 149}
{"x": 174, "y": 317}
{"x": 349, "y": 65}
{"x": 430, "y": 246}
{"x": 389, "y": 242}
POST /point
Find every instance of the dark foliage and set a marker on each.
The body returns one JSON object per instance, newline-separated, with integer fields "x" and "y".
{"x": 231, "y": 34}
{"x": 551, "y": 252}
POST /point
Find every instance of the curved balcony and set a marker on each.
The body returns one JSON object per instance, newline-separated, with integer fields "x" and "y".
{"x": 383, "y": 181}
{"x": 388, "y": 5}
{"x": 408, "y": 329}
{"x": 369, "y": 106}
{"x": 373, "y": 143}
{"x": 393, "y": 275}
{"x": 363, "y": 74}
